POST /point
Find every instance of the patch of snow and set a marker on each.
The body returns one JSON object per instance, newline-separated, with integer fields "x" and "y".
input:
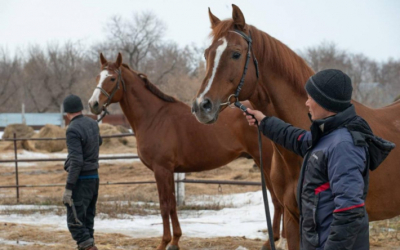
{"x": 245, "y": 219}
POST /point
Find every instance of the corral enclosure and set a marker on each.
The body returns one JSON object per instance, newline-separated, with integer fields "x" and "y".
{"x": 128, "y": 215}
{"x": 214, "y": 217}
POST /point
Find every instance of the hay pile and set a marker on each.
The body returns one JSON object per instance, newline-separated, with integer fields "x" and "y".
{"x": 50, "y": 131}
{"x": 122, "y": 129}
{"x": 108, "y": 129}
{"x": 112, "y": 143}
{"x": 22, "y": 131}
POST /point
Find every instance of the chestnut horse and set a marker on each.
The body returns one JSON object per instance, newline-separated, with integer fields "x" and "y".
{"x": 169, "y": 139}
{"x": 279, "y": 91}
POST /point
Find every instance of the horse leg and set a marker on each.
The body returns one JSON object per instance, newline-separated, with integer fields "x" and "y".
{"x": 278, "y": 208}
{"x": 276, "y": 223}
{"x": 163, "y": 178}
{"x": 176, "y": 228}
{"x": 292, "y": 231}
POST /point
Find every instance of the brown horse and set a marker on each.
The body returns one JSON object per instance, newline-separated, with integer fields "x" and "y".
{"x": 169, "y": 139}
{"x": 279, "y": 91}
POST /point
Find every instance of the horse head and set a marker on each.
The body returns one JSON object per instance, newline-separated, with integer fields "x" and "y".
{"x": 110, "y": 85}
{"x": 226, "y": 60}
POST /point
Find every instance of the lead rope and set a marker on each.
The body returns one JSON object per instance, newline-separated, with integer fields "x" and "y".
{"x": 265, "y": 196}
{"x": 264, "y": 186}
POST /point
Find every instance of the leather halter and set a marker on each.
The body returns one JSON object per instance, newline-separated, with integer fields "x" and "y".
{"x": 249, "y": 52}
{"x": 110, "y": 96}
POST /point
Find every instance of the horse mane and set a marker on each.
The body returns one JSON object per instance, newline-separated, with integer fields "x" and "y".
{"x": 150, "y": 86}
{"x": 280, "y": 58}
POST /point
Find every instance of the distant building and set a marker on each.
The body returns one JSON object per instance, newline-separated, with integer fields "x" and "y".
{"x": 35, "y": 120}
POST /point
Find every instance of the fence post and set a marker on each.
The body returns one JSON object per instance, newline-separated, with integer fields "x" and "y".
{"x": 179, "y": 188}
{"x": 16, "y": 165}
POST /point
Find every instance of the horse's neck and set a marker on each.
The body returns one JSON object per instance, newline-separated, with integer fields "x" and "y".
{"x": 275, "y": 96}
{"x": 139, "y": 105}
{"x": 281, "y": 83}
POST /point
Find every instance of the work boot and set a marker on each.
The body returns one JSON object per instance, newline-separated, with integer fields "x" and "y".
{"x": 89, "y": 248}
{"x": 92, "y": 248}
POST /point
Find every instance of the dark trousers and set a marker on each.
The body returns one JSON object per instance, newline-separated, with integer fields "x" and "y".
{"x": 84, "y": 195}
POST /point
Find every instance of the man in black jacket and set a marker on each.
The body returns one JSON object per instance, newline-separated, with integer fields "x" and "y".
{"x": 338, "y": 153}
{"x": 81, "y": 190}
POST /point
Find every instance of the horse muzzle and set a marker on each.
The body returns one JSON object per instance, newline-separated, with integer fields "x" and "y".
{"x": 206, "y": 112}
{"x": 95, "y": 108}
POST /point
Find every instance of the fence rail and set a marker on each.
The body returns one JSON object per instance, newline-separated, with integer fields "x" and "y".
{"x": 16, "y": 160}
{"x": 63, "y": 138}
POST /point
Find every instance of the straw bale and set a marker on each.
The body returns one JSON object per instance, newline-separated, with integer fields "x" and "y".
{"x": 22, "y": 131}
{"x": 50, "y": 131}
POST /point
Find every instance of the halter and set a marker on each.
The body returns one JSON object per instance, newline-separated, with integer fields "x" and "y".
{"x": 249, "y": 52}
{"x": 110, "y": 96}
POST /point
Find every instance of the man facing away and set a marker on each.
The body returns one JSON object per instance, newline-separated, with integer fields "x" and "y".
{"x": 338, "y": 153}
{"x": 81, "y": 190}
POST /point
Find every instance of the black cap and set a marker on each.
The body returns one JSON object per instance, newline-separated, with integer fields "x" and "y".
{"x": 331, "y": 89}
{"x": 72, "y": 104}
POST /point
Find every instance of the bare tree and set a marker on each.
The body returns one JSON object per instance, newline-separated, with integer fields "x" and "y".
{"x": 50, "y": 76}
{"x": 9, "y": 85}
{"x": 373, "y": 83}
{"x": 326, "y": 55}
{"x": 134, "y": 38}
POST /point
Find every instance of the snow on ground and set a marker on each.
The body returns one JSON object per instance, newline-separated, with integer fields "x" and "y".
{"x": 22, "y": 243}
{"x": 245, "y": 217}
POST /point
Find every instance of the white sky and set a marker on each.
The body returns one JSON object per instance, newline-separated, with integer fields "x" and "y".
{"x": 367, "y": 26}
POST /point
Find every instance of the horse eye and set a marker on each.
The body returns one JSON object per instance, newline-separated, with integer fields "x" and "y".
{"x": 112, "y": 79}
{"x": 236, "y": 55}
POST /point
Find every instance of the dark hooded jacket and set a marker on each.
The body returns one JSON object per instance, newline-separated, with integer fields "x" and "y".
{"x": 333, "y": 183}
{"x": 83, "y": 141}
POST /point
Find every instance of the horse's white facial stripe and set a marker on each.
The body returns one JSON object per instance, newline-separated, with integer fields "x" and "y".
{"x": 96, "y": 93}
{"x": 218, "y": 53}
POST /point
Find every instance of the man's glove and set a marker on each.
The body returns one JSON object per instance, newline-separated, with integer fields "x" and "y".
{"x": 67, "y": 197}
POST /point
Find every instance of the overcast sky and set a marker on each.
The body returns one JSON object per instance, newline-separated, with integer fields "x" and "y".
{"x": 359, "y": 26}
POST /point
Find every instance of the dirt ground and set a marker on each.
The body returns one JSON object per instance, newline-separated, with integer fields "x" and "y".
{"x": 35, "y": 237}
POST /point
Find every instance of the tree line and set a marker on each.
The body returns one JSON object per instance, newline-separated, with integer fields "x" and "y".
{"x": 41, "y": 77}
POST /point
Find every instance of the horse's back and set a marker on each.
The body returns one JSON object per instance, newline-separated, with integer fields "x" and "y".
{"x": 385, "y": 123}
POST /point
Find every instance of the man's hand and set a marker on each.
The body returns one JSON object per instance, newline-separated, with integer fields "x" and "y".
{"x": 257, "y": 115}
{"x": 67, "y": 197}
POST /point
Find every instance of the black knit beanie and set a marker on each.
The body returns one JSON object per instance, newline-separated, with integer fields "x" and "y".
{"x": 72, "y": 104}
{"x": 331, "y": 89}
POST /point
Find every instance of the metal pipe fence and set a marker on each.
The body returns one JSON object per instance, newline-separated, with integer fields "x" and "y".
{"x": 16, "y": 160}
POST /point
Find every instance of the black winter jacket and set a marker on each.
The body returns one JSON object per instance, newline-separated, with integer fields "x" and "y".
{"x": 333, "y": 182}
{"x": 83, "y": 141}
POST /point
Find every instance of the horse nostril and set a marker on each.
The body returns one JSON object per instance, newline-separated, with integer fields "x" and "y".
{"x": 96, "y": 105}
{"x": 206, "y": 105}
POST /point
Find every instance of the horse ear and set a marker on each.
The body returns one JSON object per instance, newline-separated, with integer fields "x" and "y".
{"x": 238, "y": 18}
{"x": 119, "y": 60}
{"x": 102, "y": 59}
{"x": 213, "y": 19}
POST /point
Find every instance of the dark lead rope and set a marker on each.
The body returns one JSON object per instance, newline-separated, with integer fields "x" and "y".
{"x": 244, "y": 109}
{"x": 263, "y": 187}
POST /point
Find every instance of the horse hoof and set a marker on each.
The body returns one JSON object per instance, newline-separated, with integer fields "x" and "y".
{"x": 173, "y": 247}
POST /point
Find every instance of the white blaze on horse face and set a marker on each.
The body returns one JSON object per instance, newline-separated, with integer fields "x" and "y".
{"x": 218, "y": 53}
{"x": 96, "y": 93}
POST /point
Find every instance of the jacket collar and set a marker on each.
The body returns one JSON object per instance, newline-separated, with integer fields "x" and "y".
{"x": 324, "y": 126}
{"x": 76, "y": 117}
